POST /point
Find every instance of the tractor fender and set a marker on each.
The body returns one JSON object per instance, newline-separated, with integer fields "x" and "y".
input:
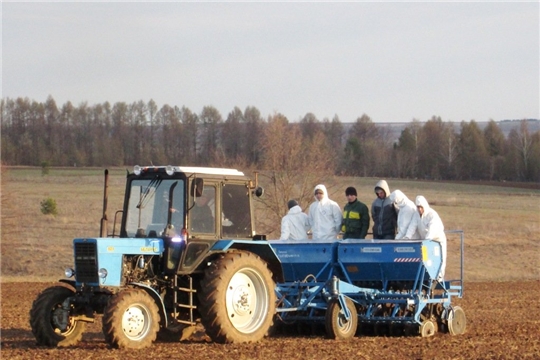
{"x": 158, "y": 300}
{"x": 69, "y": 282}
{"x": 261, "y": 248}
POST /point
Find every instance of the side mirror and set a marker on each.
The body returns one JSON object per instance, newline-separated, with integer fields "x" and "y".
{"x": 197, "y": 186}
{"x": 259, "y": 191}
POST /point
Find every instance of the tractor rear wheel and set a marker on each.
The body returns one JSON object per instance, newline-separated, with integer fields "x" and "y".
{"x": 52, "y": 323}
{"x": 237, "y": 298}
{"x": 337, "y": 326}
{"x": 131, "y": 320}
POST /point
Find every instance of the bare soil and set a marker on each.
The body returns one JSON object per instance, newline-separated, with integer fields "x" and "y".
{"x": 503, "y": 322}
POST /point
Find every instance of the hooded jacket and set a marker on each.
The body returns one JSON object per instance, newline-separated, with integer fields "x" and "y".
{"x": 406, "y": 212}
{"x": 429, "y": 226}
{"x": 324, "y": 216}
{"x": 384, "y": 214}
{"x": 294, "y": 225}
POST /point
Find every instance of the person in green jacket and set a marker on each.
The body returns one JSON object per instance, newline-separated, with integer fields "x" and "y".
{"x": 355, "y": 223}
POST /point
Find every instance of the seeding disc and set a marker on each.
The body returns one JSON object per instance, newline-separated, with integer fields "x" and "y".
{"x": 457, "y": 322}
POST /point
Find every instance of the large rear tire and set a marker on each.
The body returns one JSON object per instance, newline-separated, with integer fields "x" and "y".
{"x": 52, "y": 325}
{"x": 237, "y": 298}
{"x": 131, "y": 320}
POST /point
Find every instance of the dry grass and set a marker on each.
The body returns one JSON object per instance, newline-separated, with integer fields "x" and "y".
{"x": 501, "y": 224}
{"x": 39, "y": 246}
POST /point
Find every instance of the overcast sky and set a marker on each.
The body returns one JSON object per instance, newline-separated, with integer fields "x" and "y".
{"x": 391, "y": 61}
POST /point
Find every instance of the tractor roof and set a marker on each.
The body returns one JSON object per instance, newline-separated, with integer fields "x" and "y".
{"x": 188, "y": 170}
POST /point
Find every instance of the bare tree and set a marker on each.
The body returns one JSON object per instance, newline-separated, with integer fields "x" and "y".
{"x": 363, "y": 149}
{"x": 449, "y": 150}
{"x": 473, "y": 156}
{"x": 405, "y": 153}
{"x": 188, "y": 136}
{"x": 334, "y": 133}
{"x": 310, "y": 125}
{"x": 495, "y": 145}
{"x": 211, "y": 122}
{"x": 292, "y": 166}
{"x": 232, "y": 131}
{"x": 252, "y": 135}
{"x": 522, "y": 142}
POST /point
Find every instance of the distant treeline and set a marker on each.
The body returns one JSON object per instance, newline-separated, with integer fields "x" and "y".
{"x": 37, "y": 133}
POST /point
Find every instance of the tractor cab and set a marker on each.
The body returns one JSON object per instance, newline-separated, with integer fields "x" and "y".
{"x": 190, "y": 208}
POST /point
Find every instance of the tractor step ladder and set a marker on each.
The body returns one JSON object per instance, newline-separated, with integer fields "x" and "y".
{"x": 190, "y": 305}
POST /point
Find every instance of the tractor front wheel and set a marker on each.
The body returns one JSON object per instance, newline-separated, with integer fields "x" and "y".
{"x": 237, "y": 298}
{"x": 52, "y": 318}
{"x": 131, "y": 320}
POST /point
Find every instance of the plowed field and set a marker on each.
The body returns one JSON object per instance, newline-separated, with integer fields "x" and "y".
{"x": 503, "y": 322}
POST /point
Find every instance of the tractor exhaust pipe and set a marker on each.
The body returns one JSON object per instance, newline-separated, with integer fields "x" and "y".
{"x": 104, "y": 220}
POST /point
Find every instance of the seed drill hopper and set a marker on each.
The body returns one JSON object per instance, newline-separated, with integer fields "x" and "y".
{"x": 381, "y": 287}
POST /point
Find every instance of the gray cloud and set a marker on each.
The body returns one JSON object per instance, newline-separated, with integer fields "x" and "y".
{"x": 392, "y": 61}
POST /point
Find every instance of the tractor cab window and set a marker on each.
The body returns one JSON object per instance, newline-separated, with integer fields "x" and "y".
{"x": 152, "y": 204}
{"x": 202, "y": 215}
{"x": 236, "y": 216}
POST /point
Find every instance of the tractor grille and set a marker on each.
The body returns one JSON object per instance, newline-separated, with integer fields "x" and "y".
{"x": 86, "y": 262}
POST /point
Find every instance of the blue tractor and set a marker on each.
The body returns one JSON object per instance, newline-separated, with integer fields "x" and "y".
{"x": 183, "y": 248}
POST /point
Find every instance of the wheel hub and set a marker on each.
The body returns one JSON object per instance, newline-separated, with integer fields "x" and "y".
{"x": 133, "y": 322}
{"x": 241, "y": 300}
{"x": 60, "y": 319}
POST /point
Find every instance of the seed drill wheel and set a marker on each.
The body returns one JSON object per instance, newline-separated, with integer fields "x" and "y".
{"x": 337, "y": 326}
{"x": 50, "y": 323}
{"x": 457, "y": 322}
{"x": 428, "y": 328}
{"x": 131, "y": 320}
{"x": 237, "y": 298}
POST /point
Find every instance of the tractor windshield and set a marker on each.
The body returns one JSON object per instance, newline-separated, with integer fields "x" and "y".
{"x": 153, "y": 204}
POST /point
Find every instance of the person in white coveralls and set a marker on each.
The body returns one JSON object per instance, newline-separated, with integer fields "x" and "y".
{"x": 324, "y": 216}
{"x": 429, "y": 226}
{"x": 294, "y": 225}
{"x": 406, "y": 211}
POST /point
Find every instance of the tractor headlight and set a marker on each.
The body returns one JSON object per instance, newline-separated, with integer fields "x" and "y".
{"x": 137, "y": 170}
{"x": 102, "y": 273}
{"x": 169, "y": 170}
{"x": 180, "y": 238}
{"x": 69, "y": 272}
{"x": 177, "y": 239}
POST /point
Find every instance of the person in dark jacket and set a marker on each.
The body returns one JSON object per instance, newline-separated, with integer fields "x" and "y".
{"x": 355, "y": 223}
{"x": 383, "y": 213}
